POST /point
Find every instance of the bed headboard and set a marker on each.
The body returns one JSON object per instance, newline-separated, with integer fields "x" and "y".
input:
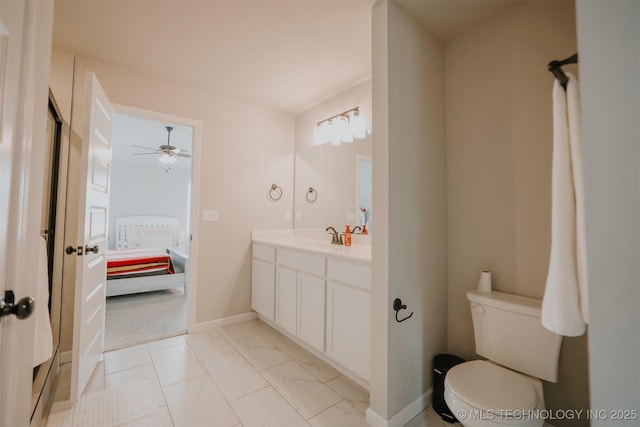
{"x": 149, "y": 231}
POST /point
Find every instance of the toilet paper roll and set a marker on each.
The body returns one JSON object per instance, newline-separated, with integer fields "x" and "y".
{"x": 484, "y": 284}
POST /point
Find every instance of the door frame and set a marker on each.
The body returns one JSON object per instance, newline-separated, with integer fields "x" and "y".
{"x": 194, "y": 209}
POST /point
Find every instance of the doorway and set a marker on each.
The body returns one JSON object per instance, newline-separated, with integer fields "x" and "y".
{"x": 149, "y": 217}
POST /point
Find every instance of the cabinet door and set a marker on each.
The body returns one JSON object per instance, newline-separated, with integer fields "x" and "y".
{"x": 286, "y": 299}
{"x": 349, "y": 327}
{"x": 263, "y": 288}
{"x": 311, "y": 310}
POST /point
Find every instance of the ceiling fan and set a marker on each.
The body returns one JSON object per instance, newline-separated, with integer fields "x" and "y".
{"x": 168, "y": 153}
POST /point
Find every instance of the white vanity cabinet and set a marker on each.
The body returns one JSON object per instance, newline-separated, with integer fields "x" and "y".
{"x": 263, "y": 280}
{"x": 287, "y": 299}
{"x": 323, "y": 301}
{"x": 311, "y": 310}
{"x": 349, "y": 315}
{"x": 300, "y": 295}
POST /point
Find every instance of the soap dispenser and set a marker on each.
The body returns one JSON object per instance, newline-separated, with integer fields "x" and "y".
{"x": 347, "y": 236}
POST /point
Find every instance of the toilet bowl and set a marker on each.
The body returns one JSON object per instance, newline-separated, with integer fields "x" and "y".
{"x": 483, "y": 394}
{"x": 506, "y": 389}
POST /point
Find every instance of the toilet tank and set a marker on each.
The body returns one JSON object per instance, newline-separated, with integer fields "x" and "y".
{"x": 509, "y": 332}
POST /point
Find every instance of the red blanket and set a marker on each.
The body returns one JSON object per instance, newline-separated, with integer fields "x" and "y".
{"x": 138, "y": 261}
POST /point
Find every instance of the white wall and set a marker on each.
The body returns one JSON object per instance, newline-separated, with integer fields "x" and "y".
{"x": 142, "y": 189}
{"x": 409, "y": 202}
{"x": 609, "y": 42}
{"x": 244, "y": 149}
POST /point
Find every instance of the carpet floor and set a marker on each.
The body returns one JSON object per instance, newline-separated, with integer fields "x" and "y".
{"x": 140, "y": 318}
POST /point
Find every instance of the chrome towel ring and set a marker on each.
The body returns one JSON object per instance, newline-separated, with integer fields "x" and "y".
{"x": 275, "y": 193}
{"x": 312, "y": 195}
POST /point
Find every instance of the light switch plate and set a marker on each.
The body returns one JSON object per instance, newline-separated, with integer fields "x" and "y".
{"x": 209, "y": 216}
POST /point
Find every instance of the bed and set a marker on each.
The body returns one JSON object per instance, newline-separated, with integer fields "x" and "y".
{"x": 149, "y": 255}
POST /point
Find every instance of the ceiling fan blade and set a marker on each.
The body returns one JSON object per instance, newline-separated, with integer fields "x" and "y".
{"x": 182, "y": 155}
{"x": 146, "y": 148}
{"x": 144, "y": 154}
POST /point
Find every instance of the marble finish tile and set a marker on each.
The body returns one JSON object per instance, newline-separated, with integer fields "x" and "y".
{"x": 319, "y": 368}
{"x": 302, "y": 390}
{"x": 266, "y": 408}
{"x": 166, "y": 342}
{"x": 177, "y": 363}
{"x": 351, "y": 392}
{"x": 342, "y": 414}
{"x": 208, "y": 344}
{"x": 274, "y": 337}
{"x": 233, "y": 375}
{"x": 159, "y": 418}
{"x": 141, "y": 372}
{"x": 126, "y": 358}
{"x": 197, "y": 402}
{"x": 259, "y": 352}
{"x": 236, "y": 331}
{"x": 427, "y": 418}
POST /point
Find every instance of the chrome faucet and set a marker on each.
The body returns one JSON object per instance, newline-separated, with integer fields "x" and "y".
{"x": 357, "y": 227}
{"x": 336, "y": 239}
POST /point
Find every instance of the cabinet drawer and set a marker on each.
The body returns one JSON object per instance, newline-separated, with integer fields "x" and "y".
{"x": 265, "y": 253}
{"x": 354, "y": 274}
{"x": 301, "y": 261}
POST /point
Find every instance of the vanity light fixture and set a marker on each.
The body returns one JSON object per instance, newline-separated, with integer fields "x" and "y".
{"x": 341, "y": 128}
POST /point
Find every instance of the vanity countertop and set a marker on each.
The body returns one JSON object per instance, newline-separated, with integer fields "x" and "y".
{"x": 317, "y": 241}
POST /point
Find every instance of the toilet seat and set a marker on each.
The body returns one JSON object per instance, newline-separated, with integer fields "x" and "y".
{"x": 490, "y": 387}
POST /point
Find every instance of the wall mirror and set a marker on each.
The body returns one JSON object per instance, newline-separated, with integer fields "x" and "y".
{"x": 333, "y": 183}
{"x": 341, "y": 179}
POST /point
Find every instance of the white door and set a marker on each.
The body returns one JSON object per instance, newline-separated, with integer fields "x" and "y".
{"x": 91, "y": 268}
{"x": 263, "y": 287}
{"x": 311, "y": 310}
{"x": 349, "y": 327}
{"x": 286, "y": 299}
{"x": 25, "y": 49}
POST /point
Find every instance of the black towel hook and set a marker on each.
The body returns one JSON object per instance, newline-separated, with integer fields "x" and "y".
{"x": 397, "y": 306}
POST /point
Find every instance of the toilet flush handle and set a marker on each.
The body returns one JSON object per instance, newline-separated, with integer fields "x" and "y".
{"x": 478, "y": 309}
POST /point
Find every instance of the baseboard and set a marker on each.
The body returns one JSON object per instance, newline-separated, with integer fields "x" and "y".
{"x": 404, "y": 415}
{"x": 203, "y": 326}
{"x": 65, "y": 357}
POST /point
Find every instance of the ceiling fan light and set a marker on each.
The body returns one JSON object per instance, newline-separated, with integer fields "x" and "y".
{"x": 166, "y": 159}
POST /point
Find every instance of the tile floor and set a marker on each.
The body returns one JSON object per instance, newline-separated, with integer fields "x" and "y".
{"x": 245, "y": 374}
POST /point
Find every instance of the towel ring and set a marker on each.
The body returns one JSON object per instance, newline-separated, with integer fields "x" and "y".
{"x": 275, "y": 193}
{"x": 312, "y": 195}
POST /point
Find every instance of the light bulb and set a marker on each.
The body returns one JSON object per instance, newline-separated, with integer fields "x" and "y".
{"x": 167, "y": 159}
{"x": 333, "y": 131}
{"x": 320, "y": 134}
{"x": 359, "y": 125}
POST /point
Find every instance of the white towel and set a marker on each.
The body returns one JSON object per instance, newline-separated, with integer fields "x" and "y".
{"x": 43, "y": 338}
{"x": 565, "y": 302}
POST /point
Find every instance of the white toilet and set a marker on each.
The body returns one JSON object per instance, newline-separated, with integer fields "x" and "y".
{"x": 506, "y": 389}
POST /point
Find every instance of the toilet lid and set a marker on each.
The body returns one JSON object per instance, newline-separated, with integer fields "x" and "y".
{"x": 486, "y": 386}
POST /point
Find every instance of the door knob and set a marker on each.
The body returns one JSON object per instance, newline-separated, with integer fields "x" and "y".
{"x": 22, "y": 309}
{"x": 93, "y": 249}
{"x": 70, "y": 249}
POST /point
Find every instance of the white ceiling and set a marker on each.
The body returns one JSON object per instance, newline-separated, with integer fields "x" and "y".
{"x": 285, "y": 54}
